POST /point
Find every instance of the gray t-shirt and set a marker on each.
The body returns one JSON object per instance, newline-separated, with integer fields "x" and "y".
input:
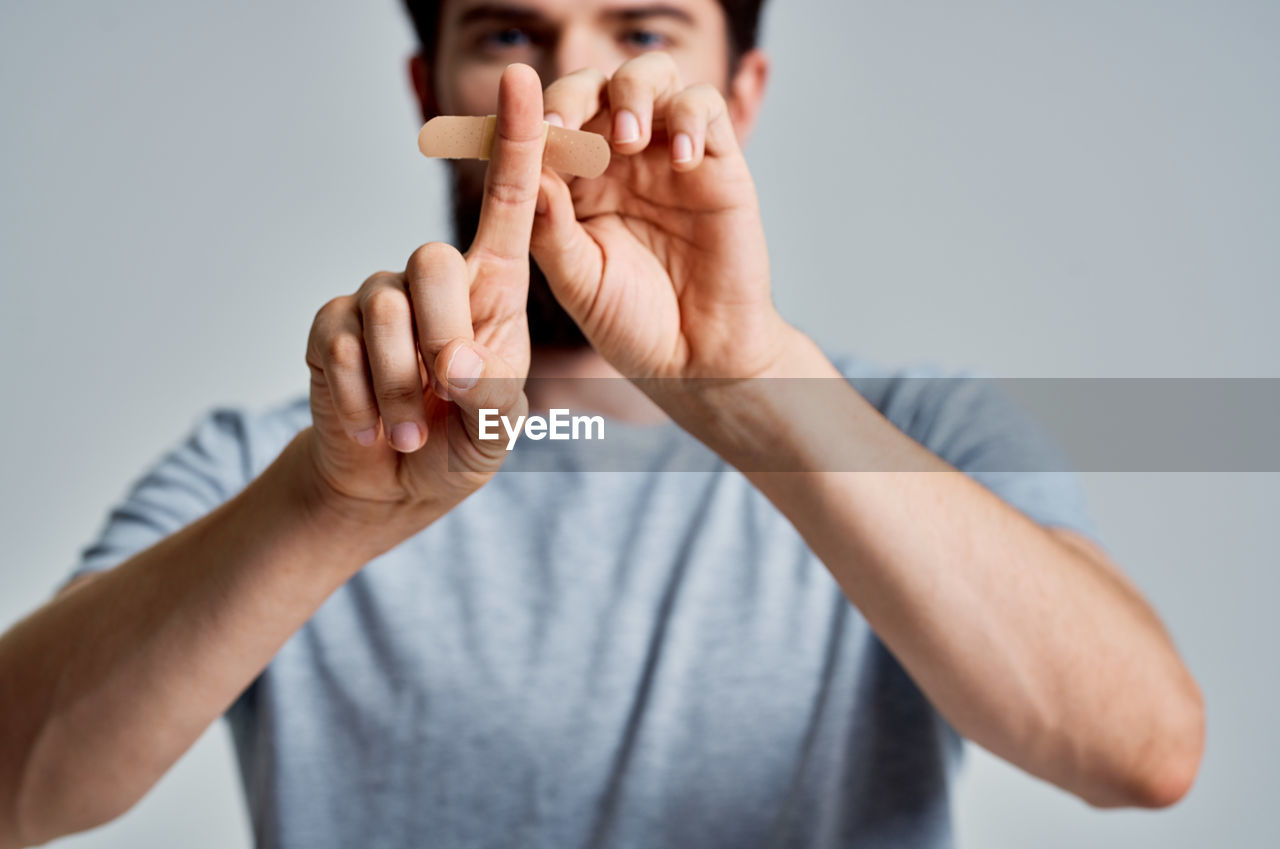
{"x": 578, "y": 659}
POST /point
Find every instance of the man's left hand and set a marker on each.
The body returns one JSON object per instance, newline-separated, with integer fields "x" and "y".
{"x": 662, "y": 260}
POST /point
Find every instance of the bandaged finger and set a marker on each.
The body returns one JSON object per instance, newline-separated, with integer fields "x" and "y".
{"x": 575, "y": 152}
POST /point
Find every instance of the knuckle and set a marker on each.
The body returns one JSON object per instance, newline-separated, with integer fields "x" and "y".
{"x": 377, "y": 279}
{"x": 662, "y": 59}
{"x": 687, "y": 116}
{"x": 705, "y": 92}
{"x": 386, "y": 307}
{"x": 583, "y": 78}
{"x": 697, "y": 103}
{"x": 644, "y": 77}
{"x": 711, "y": 96}
{"x": 433, "y": 345}
{"x": 663, "y": 64}
{"x": 355, "y": 411}
{"x": 510, "y": 192}
{"x": 683, "y": 109}
{"x": 429, "y": 258}
{"x": 375, "y": 283}
{"x": 489, "y": 260}
{"x": 628, "y": 70}
{"x": 331, "y": 309}
{"x": 576, "y": 96}
{"x": 344, "y": 352}
{"x": 628, "y": 84}
{"x": 522, "y": 146}
{"x": 568, "y": 104}
{"x": 653, "y": 62}
{"x": 399, "y": 393}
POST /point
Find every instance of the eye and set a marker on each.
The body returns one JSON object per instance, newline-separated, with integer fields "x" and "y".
{"x": 507, "y": 39}
{"x": 644, "y": 39}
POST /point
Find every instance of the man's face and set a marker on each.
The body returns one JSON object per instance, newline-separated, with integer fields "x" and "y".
{"x": 477, "y": 39}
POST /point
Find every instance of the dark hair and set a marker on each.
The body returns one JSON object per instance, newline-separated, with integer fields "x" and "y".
{"x": 742, "y": 17}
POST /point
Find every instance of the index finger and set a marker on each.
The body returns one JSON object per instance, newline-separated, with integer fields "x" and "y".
{"x": 576, "y": 98}
{"x": 515, "y": 167}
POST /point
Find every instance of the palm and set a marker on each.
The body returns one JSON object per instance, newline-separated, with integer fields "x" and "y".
{"x": 675, "y": 272}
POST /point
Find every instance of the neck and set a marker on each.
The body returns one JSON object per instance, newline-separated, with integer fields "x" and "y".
{"x": 580, "y": 380}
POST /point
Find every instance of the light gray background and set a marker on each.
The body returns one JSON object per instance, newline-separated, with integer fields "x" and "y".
{"x": 1037, "y": 189}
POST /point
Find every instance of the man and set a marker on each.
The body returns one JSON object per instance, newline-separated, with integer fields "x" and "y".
{"x": 415, "y": 650}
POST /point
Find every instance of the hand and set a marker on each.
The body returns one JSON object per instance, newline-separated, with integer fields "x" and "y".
{"x": 662, "y": 260}
{"x": 396, "y": 367}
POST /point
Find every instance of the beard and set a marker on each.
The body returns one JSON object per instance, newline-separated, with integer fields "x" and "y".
{"x": 549, "y": 325}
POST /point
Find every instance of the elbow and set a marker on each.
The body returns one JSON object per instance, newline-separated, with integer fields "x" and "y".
{"x": 37, "y": 830}
{"x": 43, "y": 810}
{"x": 9, "y": 836}
{"x": 1168, "y": 779}
{"x": 1166, "y": 764}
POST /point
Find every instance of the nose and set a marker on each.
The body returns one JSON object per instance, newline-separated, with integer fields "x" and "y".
{"x": 579, "y": 47}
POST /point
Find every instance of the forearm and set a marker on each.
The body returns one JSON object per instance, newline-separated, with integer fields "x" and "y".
{"x": 108, "y": 684}
{"x": 1027, "y": 645}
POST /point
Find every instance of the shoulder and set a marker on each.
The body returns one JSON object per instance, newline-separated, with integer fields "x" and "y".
{"x": 220, "y": 453}
{"x": 267, "y": 431}
{"x": 234, "y": 444}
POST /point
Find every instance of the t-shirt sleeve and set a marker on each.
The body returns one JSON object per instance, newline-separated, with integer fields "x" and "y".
{"x": 973, "y": 424}
{"x": 209, "y": 467}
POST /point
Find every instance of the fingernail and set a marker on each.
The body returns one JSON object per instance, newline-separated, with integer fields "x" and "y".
{"x": 367, "y": 436}
{"x": 626, "y": 127}
{"x": 554, "y": 119}
{"x": 681, "y": 148}
{"x": 406, "y": 437}
{"x": 465, "y": 368}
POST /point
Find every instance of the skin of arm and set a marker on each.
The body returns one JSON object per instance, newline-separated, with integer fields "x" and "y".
{"x": 104, "y": 688}
{"x": 1029, "y": 641}
{"x": 107, "y": 685}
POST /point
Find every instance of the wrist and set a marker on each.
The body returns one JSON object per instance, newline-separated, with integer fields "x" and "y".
{"x": 752, "y": 420}
{"x": 355, "y": 530}
{"x": 799, "y": 357}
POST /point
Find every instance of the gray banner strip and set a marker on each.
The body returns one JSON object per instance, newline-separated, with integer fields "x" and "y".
{"x": 978, "y": 424}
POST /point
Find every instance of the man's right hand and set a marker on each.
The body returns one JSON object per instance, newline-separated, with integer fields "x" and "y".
{"x": 396, "y": 367}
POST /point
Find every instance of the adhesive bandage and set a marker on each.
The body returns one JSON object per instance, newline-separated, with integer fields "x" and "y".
{"x": 575, "y": 152}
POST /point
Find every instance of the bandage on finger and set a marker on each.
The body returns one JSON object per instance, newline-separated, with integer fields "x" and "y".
{"x": 575, "y": 152}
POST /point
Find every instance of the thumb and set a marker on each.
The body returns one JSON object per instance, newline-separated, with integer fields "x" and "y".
{"x": 477, "y": 378}
{"x": 566, "y": 253}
